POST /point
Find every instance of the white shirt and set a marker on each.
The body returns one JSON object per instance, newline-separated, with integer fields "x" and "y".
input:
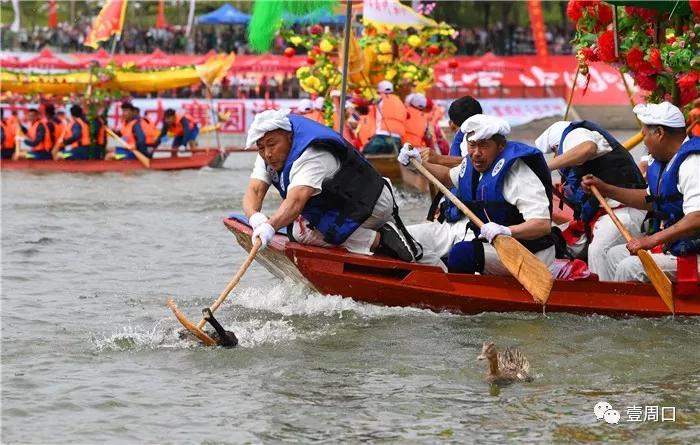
{"x": 688, "y": 182}
{"x": 310, "y": 169}
{"x": 531, "y": 200}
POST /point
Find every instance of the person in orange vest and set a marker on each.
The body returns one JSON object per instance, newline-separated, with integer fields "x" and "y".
{"x": 132, "y": 132}
{"x": 417, "y": 132}
{"x": 98, "y": 135}
{"x": 56, "y": 124}
{"x": 8, "y": 133}
{"x": 183, "y": 127}
{"x": 77, "y": 143}
{"x": 390, "y": 121}
{"x": 365, "y": 122}
{"x": 38, "y": 137}
{"x": 149, "y": 129}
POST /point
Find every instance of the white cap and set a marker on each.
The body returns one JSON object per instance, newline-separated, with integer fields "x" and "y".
{"x": 482, "y": 126}
{"x": 549, "y": 139}
{"x": 267, "y": 121}
{"x": 407, "y": 100}
{"x": 305, "y": 105}
{"x": 318, "y": 103}
{"x": 665, "y": 114}
{"x": 385, "y": 87}
{"x": 335, "y": 93}
{"x": 418, "y": 100}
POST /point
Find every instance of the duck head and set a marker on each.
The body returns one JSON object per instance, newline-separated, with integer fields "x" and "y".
{"x": 488, "y": 351}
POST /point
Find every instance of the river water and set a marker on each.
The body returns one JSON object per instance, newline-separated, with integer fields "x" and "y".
{"x": 91, "y": 354}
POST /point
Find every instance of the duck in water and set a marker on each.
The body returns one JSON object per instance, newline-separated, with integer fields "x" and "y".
{"x": 505, "y": 367}
{"x": 223, "y": 337}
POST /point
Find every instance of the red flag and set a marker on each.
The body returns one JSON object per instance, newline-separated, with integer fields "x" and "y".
{"x": 537, "y": 24}
{"x": 108, "y": 22}
{"x": 53, "y": 14}
{"x": 160, "y": 18}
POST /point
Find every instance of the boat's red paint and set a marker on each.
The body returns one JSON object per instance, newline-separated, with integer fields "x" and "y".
{"x": 196, "y": 160}
{"x": 389, "y": 282}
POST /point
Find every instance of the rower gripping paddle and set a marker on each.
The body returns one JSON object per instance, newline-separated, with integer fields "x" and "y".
{"x": 529, "y": 270}
{"x": 140, "y": 156}
{"x": 657, "y": 277}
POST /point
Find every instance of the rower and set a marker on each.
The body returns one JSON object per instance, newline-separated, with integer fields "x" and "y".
{"x": 390, "y": 121}
{"x": 417, "y": 133}
{"x": 98, "y": 136}
{"x": 183, "y": 128}
{"x": 490, "y": 181}
{"x": 132, "y": 132}
{"x": 331, "y": 196}
{"x": 8, "y": 127}
{"x": 673, "y": 197}
{"x": 583, "y": 148}
{"x": 77, "y": 143}
{"x": 38, "y": 137}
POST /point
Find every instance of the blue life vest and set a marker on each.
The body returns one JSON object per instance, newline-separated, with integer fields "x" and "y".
{"x": 348, "y": 198}
{"x": 455, "y": 149}
{"x": 616, "y": 168}
{"x": 484, "y": 196}
{"x": 667, "y": 201}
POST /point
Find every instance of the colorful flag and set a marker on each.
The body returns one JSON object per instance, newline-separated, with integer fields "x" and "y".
{"x": 108, "y": 22}
{"x": 53, "y": 14}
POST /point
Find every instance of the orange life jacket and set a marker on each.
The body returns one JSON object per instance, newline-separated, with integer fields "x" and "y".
{"x": 47, "y": 143}
{"x": 365, "y": 128}
{"x": 127, "y": 130}
{"x": 9, "y": 132}
{"x": 177, "y": 128}
{"x": 150, "y": 130}
{"x": 391, "y": 116}
{"x": 416, "y": 126}
{"x": 101, "y": 136}
{"x": 60, "y": 130}
{"x": 84, "y": 132}
{"x": 316, "y": 115}
{"x": 694, "y": 121}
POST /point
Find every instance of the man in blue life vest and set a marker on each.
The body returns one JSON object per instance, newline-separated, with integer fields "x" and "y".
{"x": 583, "y": 148}
{"x": 184, "y": 129}
{"x": 331, "y": 196}
{"x": 133, "y": 133}
{"x": 673, "y": 198}
{"x": 508, "y": 186}
{"x": 77, "y": 143}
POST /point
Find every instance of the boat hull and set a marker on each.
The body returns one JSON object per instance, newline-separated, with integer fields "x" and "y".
{"x": 196, "y": 160}
{"x": 381, "y": 280}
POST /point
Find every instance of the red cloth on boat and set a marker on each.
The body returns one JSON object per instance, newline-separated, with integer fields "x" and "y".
{"x": 571, "y": 270}
{"x": 687, "y": 282}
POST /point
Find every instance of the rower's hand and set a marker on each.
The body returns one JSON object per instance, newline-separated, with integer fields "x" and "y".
{"x": 589, "y": 180}
{"x": 491, "y": 230}
{"x": 265, "y": 232}
{"x": 643, "y": 243}
{"x": 256, "y": 219}
{"x": 407, "y": 153}
{"x": 428, "y": 155}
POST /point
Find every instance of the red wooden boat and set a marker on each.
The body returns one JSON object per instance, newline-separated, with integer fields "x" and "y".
{"x": 381, "y": 280}
{"x": 198, "y": 159}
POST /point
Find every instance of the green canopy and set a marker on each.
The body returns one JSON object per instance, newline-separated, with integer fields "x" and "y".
{"x": 682, "y": 7}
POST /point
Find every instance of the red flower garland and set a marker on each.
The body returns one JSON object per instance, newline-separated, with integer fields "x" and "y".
{"x": 606, "y": 46}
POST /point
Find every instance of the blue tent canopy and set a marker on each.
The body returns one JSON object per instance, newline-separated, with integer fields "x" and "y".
{"x": 225, "y": 15}
{"x": 321, "y": 16}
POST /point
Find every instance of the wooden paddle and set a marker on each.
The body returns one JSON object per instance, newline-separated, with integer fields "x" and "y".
{"x": 197, "y": 329}
{"x": 658, "y": 278}
{"x": 145, "y": 160}
{"x": 532, "y": 273}
{"x": 632, "y": 142}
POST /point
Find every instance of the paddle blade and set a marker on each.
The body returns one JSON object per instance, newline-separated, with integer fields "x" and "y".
{"x": 658, "y": 278}
{"x": 201, "y": 335}
{"x": 529, "y": 270}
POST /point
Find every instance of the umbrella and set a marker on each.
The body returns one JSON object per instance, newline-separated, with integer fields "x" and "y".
{"x": 157, "y": 59}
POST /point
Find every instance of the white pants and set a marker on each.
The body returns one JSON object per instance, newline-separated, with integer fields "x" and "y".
{"x": 438, "y": 238}
{"x": 361, "y": 239}
{"x": 606, "y": 235}
{"x": 628, "y": 267}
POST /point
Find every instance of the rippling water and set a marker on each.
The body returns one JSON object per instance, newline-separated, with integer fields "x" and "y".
{"x": 90, "y": 353}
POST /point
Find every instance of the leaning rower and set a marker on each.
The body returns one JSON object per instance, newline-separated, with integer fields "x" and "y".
{"x": 490, "y": 182}
{"x": 331, "y": 196}
{"x": 673, "y": 197}
{"x": 184, "y": 129}
{"x": 132, "y": 132}
{"x": 583, "y": 148}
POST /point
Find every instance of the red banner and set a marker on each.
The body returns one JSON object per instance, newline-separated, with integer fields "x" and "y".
{"x": 537, "y": 23}
{"x": 108, "y": 22}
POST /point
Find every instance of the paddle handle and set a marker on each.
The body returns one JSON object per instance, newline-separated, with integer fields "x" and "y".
{"x": 140, "y": 156}
{"x": 448, "y": 194}
{"x": 632, "y": 142}
{"x": 623, "y": 230}
{"x": 234, "y": 281}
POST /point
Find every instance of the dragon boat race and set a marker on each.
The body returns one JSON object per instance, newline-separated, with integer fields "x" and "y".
{"x": 331, "y": 221}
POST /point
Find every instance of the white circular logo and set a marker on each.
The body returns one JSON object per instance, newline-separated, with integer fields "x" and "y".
{"x": 497, "y": 168}
{"x": 612, "y": 416}
{"x": 600, "y": 408}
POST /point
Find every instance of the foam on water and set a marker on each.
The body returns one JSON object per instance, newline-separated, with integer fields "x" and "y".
{"x": 289, "y": 298}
